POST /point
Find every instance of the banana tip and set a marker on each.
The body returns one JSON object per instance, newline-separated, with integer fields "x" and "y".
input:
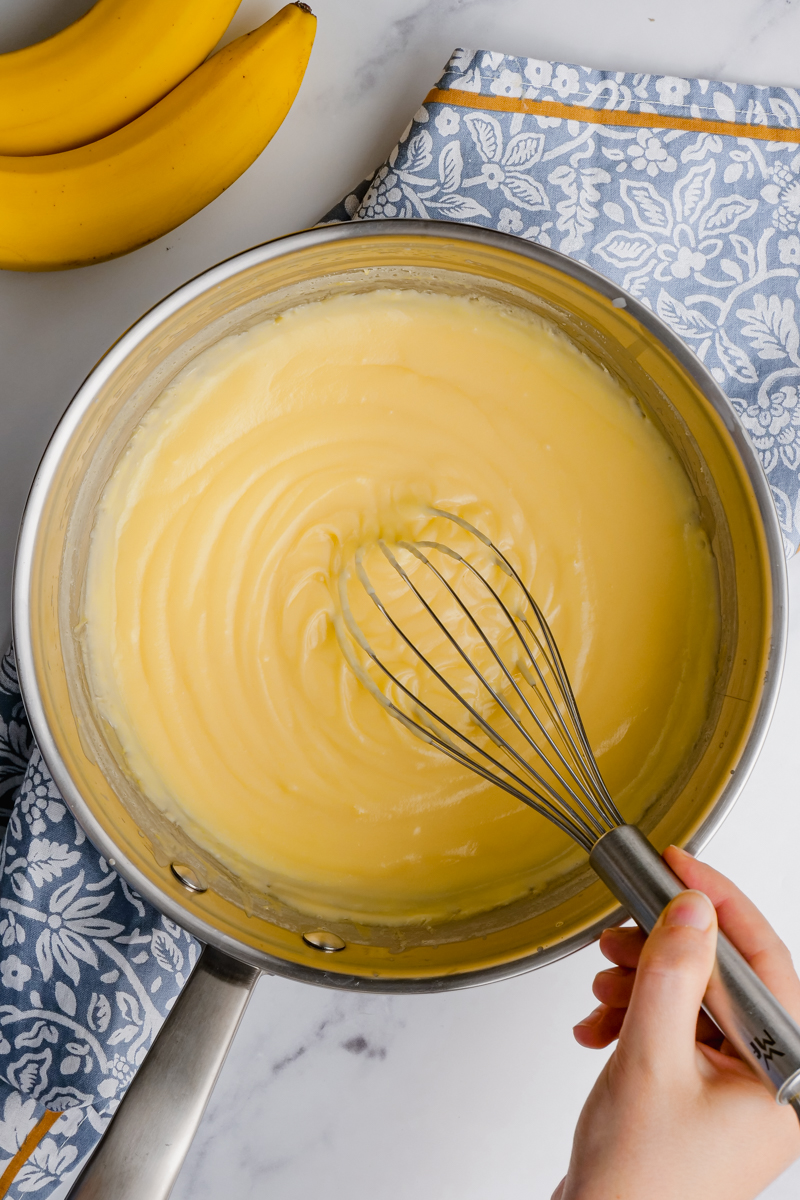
{"x": 305, "y": 7}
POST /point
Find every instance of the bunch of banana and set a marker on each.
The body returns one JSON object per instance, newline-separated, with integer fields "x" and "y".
{"x": 97, "y": 201}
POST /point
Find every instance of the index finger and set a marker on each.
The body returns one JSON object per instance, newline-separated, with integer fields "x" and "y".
{"x": 748, "y": 929}
{"x": 622, "y": 945}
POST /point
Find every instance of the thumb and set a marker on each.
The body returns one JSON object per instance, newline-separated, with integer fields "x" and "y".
{"x": 671, "y": 979}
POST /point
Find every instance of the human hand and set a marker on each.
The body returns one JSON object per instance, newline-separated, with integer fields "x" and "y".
{"x": 675, "y": 1113}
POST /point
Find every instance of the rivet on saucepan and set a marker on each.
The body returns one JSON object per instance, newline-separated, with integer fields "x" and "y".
{"x": 320, "y": 939}
{"x": 188, "y": 877}
{"x": 620, "y": 302}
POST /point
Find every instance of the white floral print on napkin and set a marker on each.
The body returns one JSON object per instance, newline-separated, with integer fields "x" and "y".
{"x": 88, "y": 969}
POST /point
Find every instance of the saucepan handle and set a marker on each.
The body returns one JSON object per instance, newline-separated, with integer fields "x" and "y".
{"x": 148, "y": 1138}
{"x": 743, "y": 1007}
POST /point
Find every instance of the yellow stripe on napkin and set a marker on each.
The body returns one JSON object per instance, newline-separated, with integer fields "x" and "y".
{"x": 26, "y": 1150}
{"x": 608, "y": 116}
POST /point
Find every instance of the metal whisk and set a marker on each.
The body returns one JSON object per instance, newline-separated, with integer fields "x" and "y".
{"x": 462, "y": 655}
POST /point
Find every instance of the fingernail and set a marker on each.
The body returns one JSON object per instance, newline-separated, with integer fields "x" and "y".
{"x": 591, "y": 1020}
{"x": 691, "y": 909}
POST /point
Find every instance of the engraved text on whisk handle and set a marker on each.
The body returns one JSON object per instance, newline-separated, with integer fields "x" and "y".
{"x": 742, "y": 1006}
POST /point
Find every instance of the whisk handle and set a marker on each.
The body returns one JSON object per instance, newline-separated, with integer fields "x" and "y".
{"x": 744, "y": 1009}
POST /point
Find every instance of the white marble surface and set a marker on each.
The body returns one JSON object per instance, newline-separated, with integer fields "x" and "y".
{"x": 472, "y": 1095}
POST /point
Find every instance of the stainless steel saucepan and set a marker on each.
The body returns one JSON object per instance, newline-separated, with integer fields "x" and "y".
{"x": 144, "y": 1147}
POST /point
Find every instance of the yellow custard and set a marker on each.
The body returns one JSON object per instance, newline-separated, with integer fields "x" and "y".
{"x": 211, "y": 590}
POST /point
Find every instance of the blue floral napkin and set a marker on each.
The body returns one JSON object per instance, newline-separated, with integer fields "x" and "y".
{"x": 686, "y": 193}
{"x": 88, "y": 972}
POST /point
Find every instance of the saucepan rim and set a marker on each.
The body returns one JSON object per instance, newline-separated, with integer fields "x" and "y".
{"x": 275, "y": 249}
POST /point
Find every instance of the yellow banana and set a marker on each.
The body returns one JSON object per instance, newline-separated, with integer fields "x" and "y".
{"x": 102, "y": 200}
{"x": 103, "y": 71}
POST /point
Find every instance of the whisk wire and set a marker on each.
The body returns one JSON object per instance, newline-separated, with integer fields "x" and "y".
{"x": 580, "y": 804}
{"x": 428, "y": 733}
{"x": 553, "y": 801}
{"x": 552, "y": 654}
{"x": 577, "y": 767}
{"x": 553, "y": 657}
{"x": 575, "y": 798}
{"x": 503, "y": 666}
{"x": 587, "y": 759}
